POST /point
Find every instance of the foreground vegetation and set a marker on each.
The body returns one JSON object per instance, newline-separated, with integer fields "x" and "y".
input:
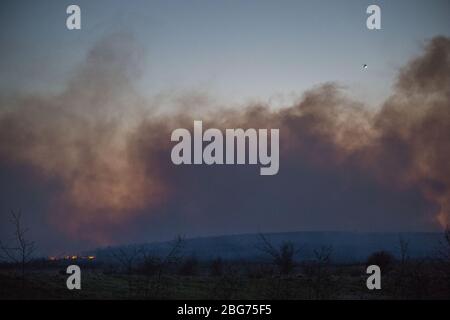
{"x": 238, "y": 280}
{"x": 136, "y": 272}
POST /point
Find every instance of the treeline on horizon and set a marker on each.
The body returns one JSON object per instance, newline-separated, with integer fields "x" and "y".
{"x": 137, "y": 272}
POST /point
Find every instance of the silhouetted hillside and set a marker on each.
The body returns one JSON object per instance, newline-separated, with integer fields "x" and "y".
{"x": 348, "y": 247}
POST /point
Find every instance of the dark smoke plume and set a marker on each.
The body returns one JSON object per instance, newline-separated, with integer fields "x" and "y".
{"x": 99, "y": 154}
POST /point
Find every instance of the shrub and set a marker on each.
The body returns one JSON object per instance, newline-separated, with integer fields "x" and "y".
{"x": 189, "y": 266}
{"x": 216, "y": 267}
{"x": 383, "y": 259}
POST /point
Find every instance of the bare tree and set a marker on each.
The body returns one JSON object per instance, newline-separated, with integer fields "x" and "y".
{"x": 403, "y": 271}
{"x": 189, "y": 266}
{"x": 283, "y": 257}
{"x": 127, "y": 257}
{"x": 403, "y": 246}
{"x": 318, "y": 273}
{"x": 323, "y": 254}
{"x": 174, "y": 254}
{"x": 21, "y": 250}
{"x": 444, "y": 258}
{"x": 444, "y": 246}
{"x": 217, "y": 267}
{"x": 154, "y": 266}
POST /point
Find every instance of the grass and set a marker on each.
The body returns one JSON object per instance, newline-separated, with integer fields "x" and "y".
{"x": 51, "y": 284}
{"x": 411, "y": 280}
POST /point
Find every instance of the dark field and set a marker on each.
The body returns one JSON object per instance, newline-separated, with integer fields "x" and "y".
{"x": 237, "y": 280}
{"x": 283, "y": 269}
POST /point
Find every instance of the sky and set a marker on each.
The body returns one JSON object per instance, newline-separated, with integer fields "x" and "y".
{"x": 236, "y": 51}
{"x": 86, "y": 117}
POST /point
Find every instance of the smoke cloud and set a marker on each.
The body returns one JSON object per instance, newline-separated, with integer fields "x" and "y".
{"x": 93, "y": 162}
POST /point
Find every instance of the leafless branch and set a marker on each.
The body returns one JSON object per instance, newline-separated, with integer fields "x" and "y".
{"x": 23, "y": 249}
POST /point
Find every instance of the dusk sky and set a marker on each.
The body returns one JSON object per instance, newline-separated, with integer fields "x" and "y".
{"x": 86, "y": 117}
{"x": 234, "y": 50}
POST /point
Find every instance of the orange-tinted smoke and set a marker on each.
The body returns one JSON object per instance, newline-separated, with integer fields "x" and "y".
{"x": 114, "y": 164}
